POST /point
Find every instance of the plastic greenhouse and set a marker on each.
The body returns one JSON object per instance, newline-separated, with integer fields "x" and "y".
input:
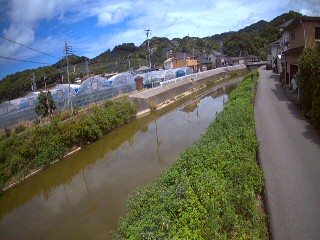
{"x": 121, "y": 79}
{"x": 94, "y": 83}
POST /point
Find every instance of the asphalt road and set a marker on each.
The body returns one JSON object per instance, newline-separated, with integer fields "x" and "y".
{"x": 290, "y": 158}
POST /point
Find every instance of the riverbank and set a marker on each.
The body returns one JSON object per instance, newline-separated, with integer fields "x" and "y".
{"x": 37, "y": 148}
{"x": 213, "y": 190}
{"x": 24, "y": 155}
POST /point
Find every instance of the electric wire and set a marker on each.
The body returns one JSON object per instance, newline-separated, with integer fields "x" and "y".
{"x": 29, "y": 47}
{"x": 20, "y": 60}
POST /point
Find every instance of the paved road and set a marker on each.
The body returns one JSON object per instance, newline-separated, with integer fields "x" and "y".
{"x": 290, "y": 158}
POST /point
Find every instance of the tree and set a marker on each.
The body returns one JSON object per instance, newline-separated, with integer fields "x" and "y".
{"x": 46, "y": 104}
{"x": 309, "y": 84}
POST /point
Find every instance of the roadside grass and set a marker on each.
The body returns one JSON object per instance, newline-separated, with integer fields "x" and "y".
{"x": 213, "y": 189}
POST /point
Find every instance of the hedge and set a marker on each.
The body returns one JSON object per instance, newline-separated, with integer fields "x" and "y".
{"x": 212, "y": 190}
{"x": 309, "y": 84}
{"x": 39, "y": 147}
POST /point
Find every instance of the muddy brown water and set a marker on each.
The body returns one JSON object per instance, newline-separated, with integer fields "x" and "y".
{"x": 84, "y": 195}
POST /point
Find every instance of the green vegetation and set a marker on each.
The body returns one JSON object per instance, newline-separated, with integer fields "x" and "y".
{"x": 308, "y": 82}
{"x": 18, "y": 84}
{"x": 39, "y": 147}
{"x": 253, "y": 39}
{"x": 212, "y": 191}
{"x": 46, "y": 104}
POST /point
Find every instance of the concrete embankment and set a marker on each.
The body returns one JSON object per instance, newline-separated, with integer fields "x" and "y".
{"x": 154, "y": 97}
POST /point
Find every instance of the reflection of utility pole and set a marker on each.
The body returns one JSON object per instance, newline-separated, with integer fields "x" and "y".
{"x": 198, "y": 115}
{"x": 148, "y": 49}
{"x": 67, "y": 52}
{"x": 64, "y": 187}
{"x": 158, "y": 142}
{"x": 85, "y": 181}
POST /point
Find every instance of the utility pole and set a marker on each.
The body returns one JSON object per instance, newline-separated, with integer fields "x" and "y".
{"x": 148, "y": 49}
{"x": 67, "y": 52}
{"x": 129, "y": 61}
{"x": 87, "y": 70}
{"x": 45, "y": 82}
{"x": 33, "y": 83}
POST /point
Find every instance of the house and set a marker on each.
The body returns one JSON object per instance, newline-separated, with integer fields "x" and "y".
{"x": 180, "y": 60}
{"x": 284, "y": 42}
{"x": 303, "y": 33}
{"x": 218, "y": 59}
{"x": 236, "y": 61}
{"x": 274, "y": 49}
{"x": 250, "y": 59}
{"x": 205, "y": 63}
{"x": 167, "y": 64}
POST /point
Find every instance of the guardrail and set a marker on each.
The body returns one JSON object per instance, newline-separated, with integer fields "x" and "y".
{"x": 196, "y": 75}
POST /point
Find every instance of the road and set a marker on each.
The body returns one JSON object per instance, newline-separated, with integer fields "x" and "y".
{"x": 290, "y": 159}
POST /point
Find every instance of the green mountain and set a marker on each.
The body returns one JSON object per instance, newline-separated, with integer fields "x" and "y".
{"x": 252, "y": 39}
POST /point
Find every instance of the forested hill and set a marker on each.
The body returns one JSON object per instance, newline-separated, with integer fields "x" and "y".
{"x": 252, "y": 39}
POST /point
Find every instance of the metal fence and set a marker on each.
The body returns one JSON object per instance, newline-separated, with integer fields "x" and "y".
{"x": 11, "y": 117}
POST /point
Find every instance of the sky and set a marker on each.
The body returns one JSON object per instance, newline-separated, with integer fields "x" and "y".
{"x": 93, "y": 26}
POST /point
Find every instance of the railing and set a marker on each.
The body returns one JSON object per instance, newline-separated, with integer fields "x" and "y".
{"x": 199, "y": 74}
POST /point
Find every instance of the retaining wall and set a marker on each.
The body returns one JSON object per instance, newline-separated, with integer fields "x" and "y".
{"x": 155, "y": 96}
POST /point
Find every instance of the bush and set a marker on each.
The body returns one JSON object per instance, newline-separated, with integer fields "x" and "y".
{"x": 211, "y": 191}
{"x": 308, "y": 82}
{"x": 20, "y": 129}
{"x": 38, "y": 147}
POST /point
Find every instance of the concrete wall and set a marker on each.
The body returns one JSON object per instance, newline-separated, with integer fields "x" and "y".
{"x": 158, "y": 95}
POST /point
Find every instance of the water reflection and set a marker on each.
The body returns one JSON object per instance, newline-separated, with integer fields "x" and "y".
{"x": 83, "y": 196}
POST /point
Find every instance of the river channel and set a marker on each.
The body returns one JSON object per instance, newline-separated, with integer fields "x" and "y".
{"x": 83, "y": 196}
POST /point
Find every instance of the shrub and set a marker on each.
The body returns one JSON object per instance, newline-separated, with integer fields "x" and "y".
{"x": 210, "y": 191}
{"x": 38, "y": 147}
{"x": 308, "y": 82}
{"x": 20, "y": 129}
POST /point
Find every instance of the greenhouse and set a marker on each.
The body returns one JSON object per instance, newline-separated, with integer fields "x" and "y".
{"x": 157, "y": 76}
{"x": 94, "y": 83}
{"x": 121, "y": 79}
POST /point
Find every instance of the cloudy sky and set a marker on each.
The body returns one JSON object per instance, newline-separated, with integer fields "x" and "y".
{"x": 93, "y": 26}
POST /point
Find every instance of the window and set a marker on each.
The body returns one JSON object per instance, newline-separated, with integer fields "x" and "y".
{"x": 317, "y": 33}
{"x": 293, "y": 37}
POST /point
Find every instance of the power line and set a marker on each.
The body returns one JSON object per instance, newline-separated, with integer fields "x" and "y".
{"x": 29, "y": 47}
{"x": 20, "y": 60}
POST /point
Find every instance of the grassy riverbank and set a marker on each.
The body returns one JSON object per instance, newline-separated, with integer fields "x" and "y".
{"x": 212, "y": 191}
{"x": 38, "y": 147}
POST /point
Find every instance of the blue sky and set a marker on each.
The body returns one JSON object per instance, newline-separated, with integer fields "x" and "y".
{"x": 93, "y": 26}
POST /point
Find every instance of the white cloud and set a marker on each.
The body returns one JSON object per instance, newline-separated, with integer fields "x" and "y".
{"x": 118, "y": 21}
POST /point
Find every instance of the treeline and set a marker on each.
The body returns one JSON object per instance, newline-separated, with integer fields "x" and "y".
{"x": 212, "y": 191}
{"x": 253, "y": 39}
{"x": 309, "y": 84}
{"x": 37, "y": 147}
{"x": 19, "y": 84}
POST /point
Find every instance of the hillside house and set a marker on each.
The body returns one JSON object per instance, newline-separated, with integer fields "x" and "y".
{"x": 303, "y": 33}
{"x": 218, "y": 59}
{"x": 205, "y": 63}
{"x": 180, "y": 60}
{"x": 250, "y": 59}
{"x": 167, "y": 64}
{"x": 274, "y": 49}
{"x": 236, "y": 61}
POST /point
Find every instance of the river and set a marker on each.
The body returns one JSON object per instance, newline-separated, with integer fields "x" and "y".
{"x": 83, "y": 196}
